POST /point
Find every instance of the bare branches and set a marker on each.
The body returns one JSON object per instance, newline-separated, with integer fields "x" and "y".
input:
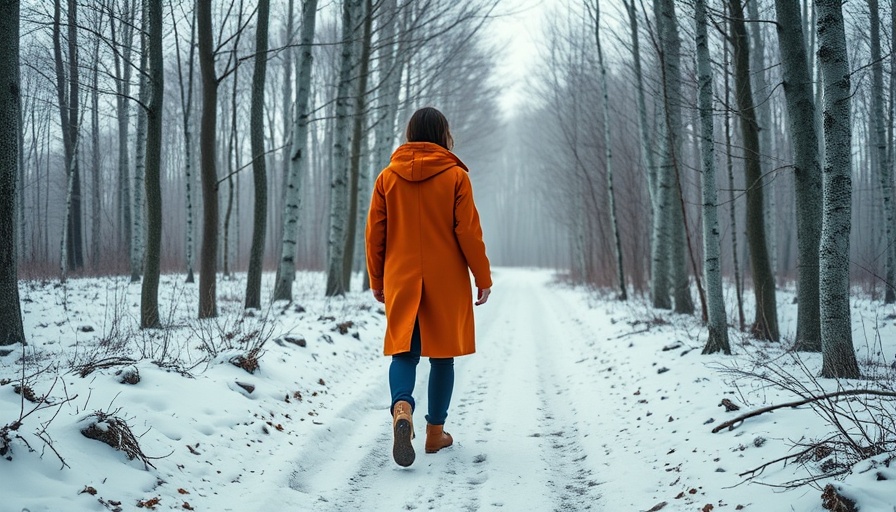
{"x": 731, "y": 424}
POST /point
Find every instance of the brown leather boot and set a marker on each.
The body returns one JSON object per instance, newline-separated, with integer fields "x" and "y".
{"x": 437, "y": 438}
{"x": 403, "y": 432}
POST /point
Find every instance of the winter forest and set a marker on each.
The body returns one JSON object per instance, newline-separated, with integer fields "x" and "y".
{"x": 183, "y": 193}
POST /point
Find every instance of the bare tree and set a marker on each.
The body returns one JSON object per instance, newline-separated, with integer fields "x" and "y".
{"x": 122, "y": 59}
{"x": 259, "y": 173}
{"x": 764, "y": 121}
{"x": 717, "y": 338}
{"x": 594, "y": 10}
{"x": 669, "y": 264}
{"x": 69, "y": 122}
{"x": 765, "y": 325}
{"x": 838, "y": 355}
{"x": 807, "y": 172}
{"x": 208, "y": 258}
{"x": 186, "y": 102}
{"x": 138, "y": 210}
{"x": 878, "y": 120}
{"x": 732, "y": 210}
{"x": 286, "y": 268}
{"x": 339, "y": 187}
{"x": 95, "y": 171}
{"x": 11, "y": 330}
{"x": 358, "y": 132}
{"x": 149, "y": 297}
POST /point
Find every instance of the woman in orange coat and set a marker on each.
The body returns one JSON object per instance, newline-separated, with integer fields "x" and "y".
{"x": 423, "y": 235}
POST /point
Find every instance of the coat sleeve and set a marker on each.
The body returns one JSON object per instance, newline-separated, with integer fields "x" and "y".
{"x": 469, "y": 232}
{"x": 375, "y": 236}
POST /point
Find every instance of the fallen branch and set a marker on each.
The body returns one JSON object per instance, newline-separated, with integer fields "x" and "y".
{"x": 730, "y": 424}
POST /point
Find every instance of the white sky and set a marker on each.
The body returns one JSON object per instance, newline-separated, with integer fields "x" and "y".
{"x": 518, "y": 28}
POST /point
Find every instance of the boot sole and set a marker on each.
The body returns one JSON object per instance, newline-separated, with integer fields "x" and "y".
{"x": 402, "y": 449}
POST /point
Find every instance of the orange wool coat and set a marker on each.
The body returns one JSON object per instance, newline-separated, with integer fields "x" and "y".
{"x": 422, "y": 235}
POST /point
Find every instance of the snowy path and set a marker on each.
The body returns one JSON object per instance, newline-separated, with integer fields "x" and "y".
{"x": 516, "y": 442}
{"x": 573, "y": 402}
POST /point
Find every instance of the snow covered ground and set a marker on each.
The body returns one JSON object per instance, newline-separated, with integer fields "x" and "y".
{"x": 572, "y": 402}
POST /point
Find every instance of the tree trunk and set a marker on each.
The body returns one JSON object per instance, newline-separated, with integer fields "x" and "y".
{"x": 339, "y": 192}
{"x": 96, "y": 194}
{"x": 76, "y": 237}
{"x": 123, "y": 90}
{"x": 259, "y": 173}
{"x": 669, "y": 219}
{"x": 22, "y": 239}
{"x": 232, "y": 155}
{"x": 614, "y": 222}
{"x": 878, "y": 120}
{"x": 138, "y": 213}
{"x": 838, "y": 355}
{"x": 208, "y": 257}
{"x": 765, "y": 325}
{"x": 717, "y": 338}
{"x": 358, "y": 132}
{"x": 647, "y": 158}
{"x": 286, "y": 268}
{"x": 764, "y": 121}
{"x": 149, "y": 297}
{"x": 68, "y": 113}
{"x": 732, "y": 208}
{"x": 684, "y": 304}
{"x": 11, "y": 331}
{"x": 286, "y": 121}
{"x": 186, "y": 102}
{"x": 807, "y": 172}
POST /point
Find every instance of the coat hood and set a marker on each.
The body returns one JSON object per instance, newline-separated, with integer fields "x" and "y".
{"x": 418, "y": 161}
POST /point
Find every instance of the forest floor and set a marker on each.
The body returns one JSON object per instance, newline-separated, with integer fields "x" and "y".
{"x": 573, "y": 401}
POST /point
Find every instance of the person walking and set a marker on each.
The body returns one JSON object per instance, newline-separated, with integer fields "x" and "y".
{"x": 422, "y": 236}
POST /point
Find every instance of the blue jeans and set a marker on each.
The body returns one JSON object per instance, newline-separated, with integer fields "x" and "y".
{"x": 403, "y": 375}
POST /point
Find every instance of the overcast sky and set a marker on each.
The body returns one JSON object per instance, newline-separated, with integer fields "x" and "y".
{"x": 519, "y": 29}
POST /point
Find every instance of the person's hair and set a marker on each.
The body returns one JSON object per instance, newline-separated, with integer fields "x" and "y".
{"x": 430, "y": 125}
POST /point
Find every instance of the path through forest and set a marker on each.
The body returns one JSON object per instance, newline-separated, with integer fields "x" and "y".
{"x": 517, "y": 428}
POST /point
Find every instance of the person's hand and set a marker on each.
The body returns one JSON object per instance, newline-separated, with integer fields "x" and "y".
{"x": 379, "y": 295}
{"x": 483, "y": 296}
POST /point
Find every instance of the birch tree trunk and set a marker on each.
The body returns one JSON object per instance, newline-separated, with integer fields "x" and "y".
{"x": 807, "y": 171}
{"x": 390, "y": 65}
{"x": 358, "y": 132}
{"x": 838, "y": 355}
{"x": 670, "y": 210}
{"x": 765, "y": 325}
{"x": 149, "y": 296}
{"x": 186, "y": 103}
{"x": 208, "y": 258}
{"x": 660, "y": 247}
{"x": 339, "y": 192}
{"x": 717, "y": 338}
{"x": 259, "y": 172}
{"x": 298, "y": 160}
{"x": 11, "y": 331}
{"x": 138, "y": 230}
{"x": 878, "y": 119}
{"x": 647, "y": 158}
{"x": 608, "y": 151}
{"x": 286, "y": 118}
